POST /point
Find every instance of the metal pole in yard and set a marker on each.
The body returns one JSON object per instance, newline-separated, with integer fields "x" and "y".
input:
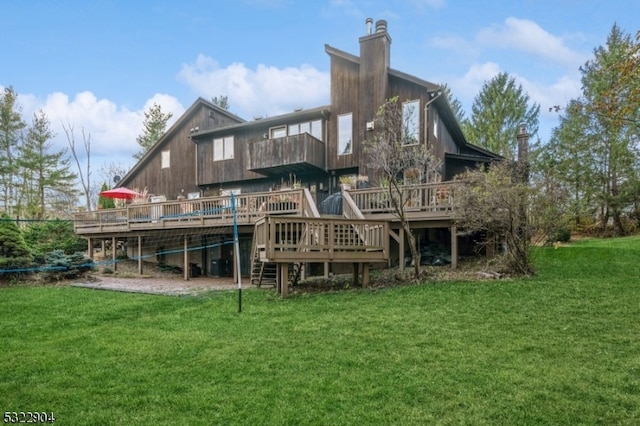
{"x": 236, "y": 244}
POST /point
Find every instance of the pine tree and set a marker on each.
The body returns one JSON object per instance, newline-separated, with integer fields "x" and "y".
{"x": 222, "y": 101}
{"x": 104, "y": 202}
{"x": 497, "y": 113}
{"x": 44, "y": 174}
{"x": 155, "y": 124}
{"x": 11, "y": 126}
{"x": 14, "y": 253}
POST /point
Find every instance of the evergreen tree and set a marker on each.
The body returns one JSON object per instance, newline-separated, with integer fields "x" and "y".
{"x": 155, "y": 124}
{"x": 497, "y": 112}
{"x": 11, "y": 126}
{"x": 14, "y": 253}
{"x": 104, "y": 202}
{"x": 46, "y": 236}
{"x": 614, "y": 140}
{"x": 455, "y": 104}
{"x": 43, "y": 173}
{"x": 222, "y": 101}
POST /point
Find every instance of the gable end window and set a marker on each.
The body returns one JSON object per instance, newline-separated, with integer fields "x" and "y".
{"x": 165, "y": 160}
{"x": 345, "y": 134}
{"x": 223, "y": 148}
{"x": 410, "y": 122}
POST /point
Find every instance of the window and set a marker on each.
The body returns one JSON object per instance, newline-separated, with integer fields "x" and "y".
{"x": 410, "y": 122}
{"x": 345, "y": 134}
{"x": 278, "y": 132}
{"x": 223, "y": 148}
{"x": 435, "y": 122}
{"x": 166, "y": 159}
{"x": 314, "y": 128}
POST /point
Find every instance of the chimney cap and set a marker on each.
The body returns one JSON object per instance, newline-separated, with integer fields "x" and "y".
{"x": 381, "y": 26}
{"x": 369, "y": 23}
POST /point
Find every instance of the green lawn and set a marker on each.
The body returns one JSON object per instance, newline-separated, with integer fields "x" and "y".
{"x": 561, "y": 348}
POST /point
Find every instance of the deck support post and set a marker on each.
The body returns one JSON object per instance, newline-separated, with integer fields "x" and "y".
{"x": 401, "y": 251}
{"x": 283, "y": 279}
{"x": 454, "y": 247}
{"x": 356, "y": 272}
{"x": 113, "y": 253}
{"x": 365, "y": 275}
{"x": 185, "y": 259}
{"x": 90, "y": 248}
{"x": 140, "y": 255}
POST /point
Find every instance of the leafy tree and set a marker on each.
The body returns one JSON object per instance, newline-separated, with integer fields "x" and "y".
{"x": 222, "y": 101}
{"x": 43, "y": 173}
{"x": 84, "y": 170}
{"x": 155, "y": 124}
{"x": 569, "y": 162}
{"x": 497, "y": 112}
{"x": 393, "y": 159}
{"x": 615, "y": 140}
{"x": 619, "y": 95}
{"x": 596, "y": 143}
{"x": 490, "y": 202}
{"x": 14, "y": 252}
{"x": 11, "y": 126}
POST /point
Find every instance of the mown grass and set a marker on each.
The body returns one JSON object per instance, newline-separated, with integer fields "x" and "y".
{"x": 560, "y": 348}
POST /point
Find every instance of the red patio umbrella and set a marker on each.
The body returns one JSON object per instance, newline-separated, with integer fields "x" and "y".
{"x": 121, "y": 193}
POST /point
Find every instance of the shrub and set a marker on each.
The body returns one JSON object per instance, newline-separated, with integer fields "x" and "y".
{"x": 47, "y": 236}
{"x": 561, "y": 235}
{"x": 66, "y": 266}
{"x": 14, "y": 252}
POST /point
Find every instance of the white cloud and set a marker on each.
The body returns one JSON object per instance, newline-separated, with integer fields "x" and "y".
{"x": 265, "y": 90}
{"x": 528, "y": 36}
{"x": 467, "y": 87}
{"x": 113, "y": 129}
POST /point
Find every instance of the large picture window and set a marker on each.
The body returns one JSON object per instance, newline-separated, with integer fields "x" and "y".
{"x": 410, "y": 122}
{"x": 345, "y": 134}
{"x": 223, "y": 148}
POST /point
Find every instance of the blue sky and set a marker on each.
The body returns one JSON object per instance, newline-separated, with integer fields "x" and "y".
{"x": 99, "y": 65}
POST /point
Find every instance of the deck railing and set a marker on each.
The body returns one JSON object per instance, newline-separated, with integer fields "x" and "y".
{"x": 208, "y": 211}
{"x": 294, "y": 239}
{"x": 435, "y": 198}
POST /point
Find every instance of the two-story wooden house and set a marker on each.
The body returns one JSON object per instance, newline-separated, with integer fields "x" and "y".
{"x": 210, "y": 153}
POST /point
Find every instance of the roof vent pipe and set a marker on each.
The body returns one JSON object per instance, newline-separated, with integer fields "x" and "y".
{"x": 369, "y": 23}
{"x": 381, "y": 26}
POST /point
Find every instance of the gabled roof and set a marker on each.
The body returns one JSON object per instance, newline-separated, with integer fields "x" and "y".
{"x": 441, "y": 102}
{"x": 188, "y": 114}
{"x": 290, "y": 117}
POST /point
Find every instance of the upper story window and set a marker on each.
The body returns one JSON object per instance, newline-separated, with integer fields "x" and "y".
{"x": 223, "y": 148}
{"x": 345, "y": 134}
{"x": 436, "y": 119}
{"x": 314, "y": 128}
{"x": 410, "y": 122}
{"x": 165, "y": 159}
{"x": 278, "y": 132}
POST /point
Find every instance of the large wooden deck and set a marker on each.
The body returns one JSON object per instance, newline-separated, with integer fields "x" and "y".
{"x": 428, "y": 202}
{"x": 286, "y": 225}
